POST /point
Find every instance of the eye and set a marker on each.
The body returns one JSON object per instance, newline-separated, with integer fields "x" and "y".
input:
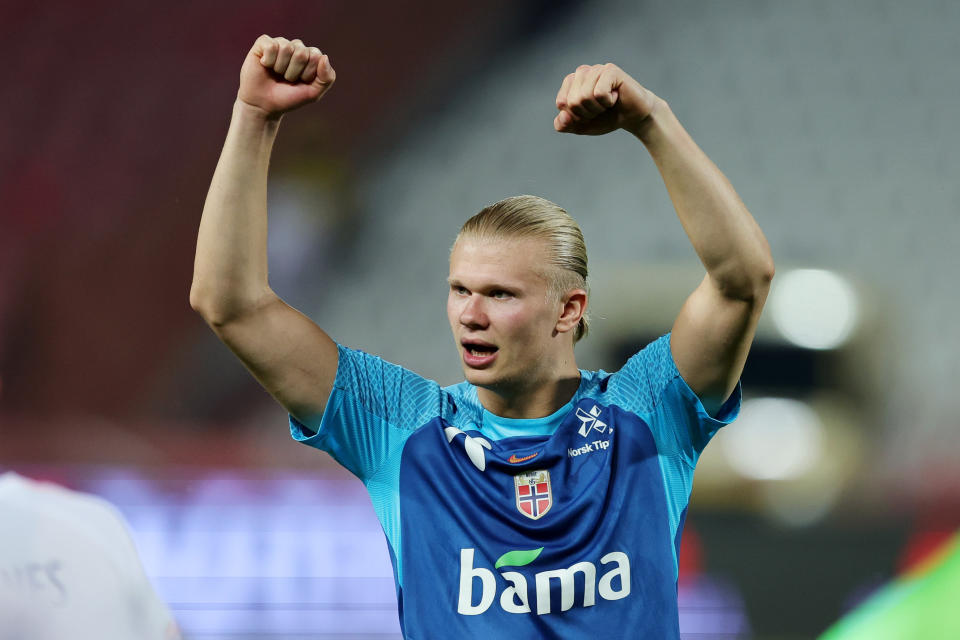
{"x": 460, "y": 291}
{"x": 500, "y": 294}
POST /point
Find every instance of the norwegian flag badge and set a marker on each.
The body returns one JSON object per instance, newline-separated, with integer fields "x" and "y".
{"x": 533, "y": 493}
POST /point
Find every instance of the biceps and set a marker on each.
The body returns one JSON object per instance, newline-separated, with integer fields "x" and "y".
{"x": 288, "y": 354}
{"x": 710, "y": 341}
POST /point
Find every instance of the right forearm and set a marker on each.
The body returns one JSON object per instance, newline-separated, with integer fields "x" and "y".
{"x": 230, "y": 269}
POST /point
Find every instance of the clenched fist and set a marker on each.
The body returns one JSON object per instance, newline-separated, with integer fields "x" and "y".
{"x": 600, "y": 98}
{"x": 280, "y": 75}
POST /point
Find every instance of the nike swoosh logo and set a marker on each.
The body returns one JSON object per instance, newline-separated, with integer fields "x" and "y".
{"x": 513, "y": 459}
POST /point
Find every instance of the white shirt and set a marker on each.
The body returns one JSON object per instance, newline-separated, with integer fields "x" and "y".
{"x": 69, "y": 569}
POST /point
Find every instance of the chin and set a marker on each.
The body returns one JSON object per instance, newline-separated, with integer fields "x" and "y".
{"x": 481, "y": 378}
{"x": 475, "y": 377}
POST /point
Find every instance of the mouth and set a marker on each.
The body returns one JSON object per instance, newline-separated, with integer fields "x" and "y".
{"x": 478, "y": 354}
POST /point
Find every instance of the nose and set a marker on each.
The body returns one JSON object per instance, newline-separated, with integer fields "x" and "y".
{"x": 472, "y": 313}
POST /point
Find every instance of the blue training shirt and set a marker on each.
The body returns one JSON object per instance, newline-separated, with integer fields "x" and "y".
{"x": 566, "y": 526}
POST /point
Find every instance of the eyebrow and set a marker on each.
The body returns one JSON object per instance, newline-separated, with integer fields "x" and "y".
{"x": 488, "y": 287}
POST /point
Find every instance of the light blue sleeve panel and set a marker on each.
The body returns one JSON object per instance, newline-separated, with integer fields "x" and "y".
{"x": 372, "y": 410}
{"x": 650, "y": 386}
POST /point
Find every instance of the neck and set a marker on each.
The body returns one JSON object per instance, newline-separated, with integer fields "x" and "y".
{"x": 534, "y": 401}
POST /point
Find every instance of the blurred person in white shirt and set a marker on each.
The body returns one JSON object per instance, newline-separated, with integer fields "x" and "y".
{"x": 69, "y": 569}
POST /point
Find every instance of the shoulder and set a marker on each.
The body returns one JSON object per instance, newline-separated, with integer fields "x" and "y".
{"x": 654, "y": 361}
{"x": 50, "y": 498}
{"x": 82, "y": 516}
{"x": 369, "y": 389}
{"x": 639, "y": 383}
{"x": 374, "y": 381}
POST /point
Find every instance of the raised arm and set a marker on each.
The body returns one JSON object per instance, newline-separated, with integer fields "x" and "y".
{"x": 288, "y": 354}
{"x": 713, "y": 332}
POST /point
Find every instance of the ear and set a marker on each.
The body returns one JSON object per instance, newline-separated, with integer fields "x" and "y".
{"x": 574, "y": 305}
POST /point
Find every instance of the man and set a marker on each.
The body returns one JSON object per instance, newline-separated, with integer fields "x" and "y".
{"x": 535, "y": 499}
{"x": 69, "y": 569}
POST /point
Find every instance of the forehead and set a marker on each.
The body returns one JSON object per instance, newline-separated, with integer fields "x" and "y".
{"x": 507, "y": 261}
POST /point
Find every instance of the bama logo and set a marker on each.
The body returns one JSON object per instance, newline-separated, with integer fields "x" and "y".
{"x": 614, "y": 583}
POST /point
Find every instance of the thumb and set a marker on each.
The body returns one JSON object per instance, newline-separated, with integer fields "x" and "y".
{"x": 565, "y": 123}
{"x": 607, "y": 89}
{"x": 607, "y": 98}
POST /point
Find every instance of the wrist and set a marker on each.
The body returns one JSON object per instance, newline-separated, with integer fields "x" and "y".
{"x": 254, "y": 115}
{"x": 252, "y": 128}
{"x": 657, "y": 122}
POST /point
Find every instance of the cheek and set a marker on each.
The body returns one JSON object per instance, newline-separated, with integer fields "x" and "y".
{"x": 454, "y": 306}
{"x": 453, "y": 311}
{"x": 525, "y": 323}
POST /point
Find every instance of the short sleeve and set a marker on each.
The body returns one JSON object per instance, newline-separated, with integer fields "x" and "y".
{"x": 650, "y": 385}
{"x": 373, "y": 408}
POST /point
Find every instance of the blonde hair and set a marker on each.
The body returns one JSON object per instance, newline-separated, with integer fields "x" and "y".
{"x": 534, "y": 217}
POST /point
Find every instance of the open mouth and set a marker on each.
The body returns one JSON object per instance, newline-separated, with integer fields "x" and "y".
{"x": 478, "y": 354}
{"x": 479, "y": 350}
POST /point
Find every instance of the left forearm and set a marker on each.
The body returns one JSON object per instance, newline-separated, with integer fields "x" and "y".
{"x": 725, "y": 236}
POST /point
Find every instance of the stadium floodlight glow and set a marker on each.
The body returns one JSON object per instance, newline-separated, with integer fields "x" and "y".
{"x": 773, "y": 439}
{"x": 814, "y": 308}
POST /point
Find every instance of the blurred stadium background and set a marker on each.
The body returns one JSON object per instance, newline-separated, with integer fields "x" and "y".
{"x": 834, "y": 120}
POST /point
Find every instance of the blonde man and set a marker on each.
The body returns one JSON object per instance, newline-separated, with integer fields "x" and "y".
{"x": 534, "y": 499}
